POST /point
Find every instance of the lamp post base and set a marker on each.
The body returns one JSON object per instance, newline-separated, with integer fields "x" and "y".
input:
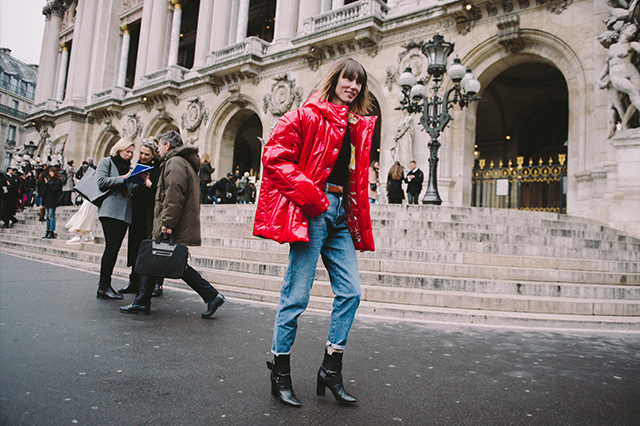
{"x": 433, "y": 199}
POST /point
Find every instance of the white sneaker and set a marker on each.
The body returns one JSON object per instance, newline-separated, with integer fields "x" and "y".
{"x": 75, "y": 240}
{"x": 88, "y": 239}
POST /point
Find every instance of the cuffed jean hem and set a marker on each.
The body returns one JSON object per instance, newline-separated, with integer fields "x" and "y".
{"x": 278, "y": 353}
{"x": 334, "y": 346}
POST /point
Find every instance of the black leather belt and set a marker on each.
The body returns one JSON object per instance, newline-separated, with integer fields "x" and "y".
{"x": 334, "y": 189}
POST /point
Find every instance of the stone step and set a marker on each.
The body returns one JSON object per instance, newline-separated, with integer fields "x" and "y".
{"x": 260, "y": 264}
{"x": 228, "y": 285}
{"x": 434, "y": 263}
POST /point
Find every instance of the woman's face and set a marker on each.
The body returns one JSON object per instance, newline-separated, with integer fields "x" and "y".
{"x": 347, "y": 90}
{"x": 127, "y": 154}
{"x": 145, "y": 155}
{"x": 51, "y": 173}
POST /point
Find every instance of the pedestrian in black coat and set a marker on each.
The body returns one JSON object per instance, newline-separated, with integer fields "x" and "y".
{"x": 395, "y": 194}
{"x": 414, "y": 183}
{"x": 142, "y": 199}
{"x": 52, "y": 189}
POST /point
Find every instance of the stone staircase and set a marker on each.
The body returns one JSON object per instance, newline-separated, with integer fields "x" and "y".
{"x": 434, "y": 263}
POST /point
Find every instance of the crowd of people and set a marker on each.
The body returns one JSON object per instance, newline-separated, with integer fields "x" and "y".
{"x": 231, "y": 189}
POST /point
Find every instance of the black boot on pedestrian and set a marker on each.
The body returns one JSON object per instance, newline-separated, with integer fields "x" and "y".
{"x": 330, "y": 376}
{"x": 133, "y": 286}
{"x": 47, "y": 235}
{"x": 135, "y": 309}
{"x": 281, "y": 381}
{"x": 108, "y": 293}
{"x": 213, "y": 306}
{"x": 157, "y": 289}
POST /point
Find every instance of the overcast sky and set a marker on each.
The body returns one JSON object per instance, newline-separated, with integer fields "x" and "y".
{"x": 21, "y": 28}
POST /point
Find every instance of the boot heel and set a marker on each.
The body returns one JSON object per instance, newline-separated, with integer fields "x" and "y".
{"x": 320, "y": 388}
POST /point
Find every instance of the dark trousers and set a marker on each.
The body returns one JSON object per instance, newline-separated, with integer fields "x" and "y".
{"x": 413, "y": 197}
{"x": 190, "y": 276}
{"x": 114, "y": 232}
{"x": 65, "y": 198}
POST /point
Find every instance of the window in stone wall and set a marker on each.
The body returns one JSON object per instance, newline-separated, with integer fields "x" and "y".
{"x": 134, "y": 41}
{"x": 262, "y": 18}
{"x": 188, "y": 30}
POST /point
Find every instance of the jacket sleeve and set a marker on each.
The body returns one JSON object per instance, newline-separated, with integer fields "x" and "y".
{"x": 176, "y": 179}
{"x": 281, "y": 156}
{"x": 105, "y": 180}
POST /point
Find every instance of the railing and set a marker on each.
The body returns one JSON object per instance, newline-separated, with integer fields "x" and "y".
{"x": 12, "y": 111}
{"x": 26, "y": 92}
{"x": 344, "y": 15}
{"x": 541, "y": 187}
{"x": 250, "y": 46}
{"x": 172, "y": 73}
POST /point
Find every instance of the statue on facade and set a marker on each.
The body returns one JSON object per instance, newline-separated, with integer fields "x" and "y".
{"x": 620, "y": 76}
{"x": 403, "y": 149}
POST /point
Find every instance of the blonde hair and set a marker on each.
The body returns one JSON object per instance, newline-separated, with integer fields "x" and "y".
{"x": 121, "y": 145}
{"x": 204, "y": 157}
{"x": 351, "y": 69}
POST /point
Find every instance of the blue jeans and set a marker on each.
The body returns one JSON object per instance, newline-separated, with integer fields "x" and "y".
{"x": 328, "y": 236}
{"x": 50, "y": 217}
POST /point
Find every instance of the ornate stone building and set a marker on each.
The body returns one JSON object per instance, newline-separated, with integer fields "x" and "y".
{"x": 222, "y": 72}
{"x": 17, "y": 91}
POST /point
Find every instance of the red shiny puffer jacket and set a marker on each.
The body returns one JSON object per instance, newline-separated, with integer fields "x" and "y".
{"x": 298, "y": 159}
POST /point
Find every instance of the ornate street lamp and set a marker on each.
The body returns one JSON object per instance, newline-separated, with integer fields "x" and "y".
{"x": 435, "y": 110}
{"x": 30, "y": 148}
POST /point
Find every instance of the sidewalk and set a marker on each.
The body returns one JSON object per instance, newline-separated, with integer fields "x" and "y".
{"x": 69, "y": 358}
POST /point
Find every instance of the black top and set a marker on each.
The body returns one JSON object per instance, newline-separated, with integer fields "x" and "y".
{"x": 338, "y": 175}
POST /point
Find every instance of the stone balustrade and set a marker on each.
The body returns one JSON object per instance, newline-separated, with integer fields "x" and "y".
{"x": 345, "y": 15}
{"x": 250, "y": 46}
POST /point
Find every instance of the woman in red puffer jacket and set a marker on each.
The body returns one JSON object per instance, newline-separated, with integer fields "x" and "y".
{"x": 314, "y": 196}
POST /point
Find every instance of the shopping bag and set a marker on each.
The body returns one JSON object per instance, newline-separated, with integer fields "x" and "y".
{"x": 161, "y": 258}
{"x": 88, "y": 188}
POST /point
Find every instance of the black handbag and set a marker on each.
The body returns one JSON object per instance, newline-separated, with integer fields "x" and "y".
{"x": 161, "y": 258}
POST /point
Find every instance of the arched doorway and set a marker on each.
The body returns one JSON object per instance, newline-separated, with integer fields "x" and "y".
{"x": 247, "y": 146}
{"x": 521, "y": 140}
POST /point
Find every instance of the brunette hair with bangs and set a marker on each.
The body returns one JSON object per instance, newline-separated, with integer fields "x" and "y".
{"x": 351, "y": 69}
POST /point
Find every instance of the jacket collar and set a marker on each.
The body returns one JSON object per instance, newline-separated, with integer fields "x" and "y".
{"x": 335, "y": 113}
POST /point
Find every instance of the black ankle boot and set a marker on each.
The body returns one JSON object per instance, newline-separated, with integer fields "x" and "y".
{"x": 281, "y": 381}
{"x": 108, "y": 293}
{"x": 157, "y": 289}
{"x": 132, "y": 286}
{"x": 330, "y": 376}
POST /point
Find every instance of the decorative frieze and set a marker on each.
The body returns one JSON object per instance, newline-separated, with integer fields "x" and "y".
{"x": 133, "y": 126}
{"x": 283, "y": 94}
{"x": 509, "y": 33}
{"x": 195, "y": 115}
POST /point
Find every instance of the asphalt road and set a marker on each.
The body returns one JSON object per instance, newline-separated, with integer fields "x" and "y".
{"x": 67, "y": 358}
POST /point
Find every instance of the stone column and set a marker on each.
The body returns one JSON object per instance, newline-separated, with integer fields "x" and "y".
{"x": 286, "y": 21}
{"x": 143, "y": 45}
{"x": 221, "y": 24}
{"x": 175, "y": 33}
{"x": 48, "y": 54}
{"x": 124, "y": 56}
{"x": 233, "y": 23}
{"x": 335, "y": 4}
{"x": 62, "y": 71}
{"x": 157, "y": 36}
{"x": 307, "y": 10}
{"x": 326, "y": 6}
{"x": 243, "y": 20}
{"x": 80, "y": 60}
{"x": 203, "y": 37}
